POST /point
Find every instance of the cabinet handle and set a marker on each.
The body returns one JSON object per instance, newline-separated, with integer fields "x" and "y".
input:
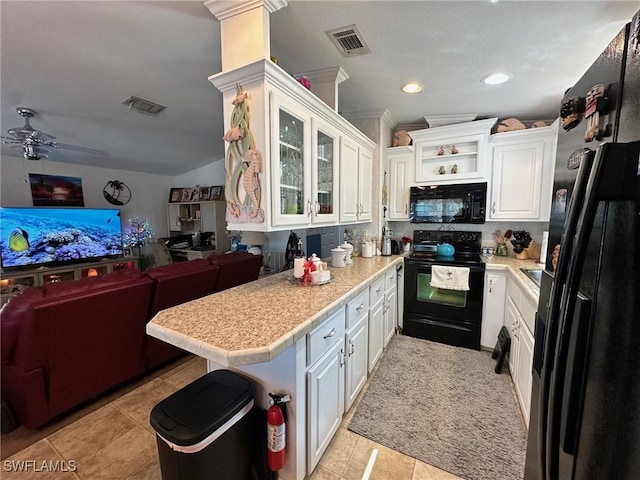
{"x": 379, "y": 289}
{"x": 357, "y": 210}
{"x": 330, "y": 334}
{"x": 360, "y": 307}
{"x": 405, "y": 209}
{"x": 341, "y": 357}
{"x": 308, "y": 208}
{"x": 490, "y": 286}
{"x": 493, "y": 207}
{"x": 361, "y": 209}
{"x": 351, "y": 347}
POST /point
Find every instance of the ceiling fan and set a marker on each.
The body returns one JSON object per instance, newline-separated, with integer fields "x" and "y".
{"x": 36, "y": 144}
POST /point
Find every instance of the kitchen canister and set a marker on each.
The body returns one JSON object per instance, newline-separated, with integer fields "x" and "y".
{"x": 338, "y": 257}
{"x": 349, "y": 249}
{"x": 367, "y": 249}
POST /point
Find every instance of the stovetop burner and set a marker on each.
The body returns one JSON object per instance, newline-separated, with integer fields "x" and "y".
{"x": 467, "y": 246}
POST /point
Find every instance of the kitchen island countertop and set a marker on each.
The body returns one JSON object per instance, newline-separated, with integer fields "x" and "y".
{"x": 256, "y": 321}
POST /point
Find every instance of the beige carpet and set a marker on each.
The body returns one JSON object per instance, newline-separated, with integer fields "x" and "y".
{"x": 445, "y": 406}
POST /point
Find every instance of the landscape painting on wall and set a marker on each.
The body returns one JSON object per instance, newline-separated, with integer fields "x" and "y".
{"x": 56, "y": 191}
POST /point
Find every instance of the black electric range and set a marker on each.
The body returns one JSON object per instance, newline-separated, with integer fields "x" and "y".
{"x": 452, "y": 317}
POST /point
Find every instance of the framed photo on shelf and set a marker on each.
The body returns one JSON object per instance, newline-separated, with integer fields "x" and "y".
{"x": 205, "y": 194}
{"x": 217, "y": 193}
{"x": 127, "y": 252}
{"x": 186, "y": 195}
{"x": 175, "y": 195}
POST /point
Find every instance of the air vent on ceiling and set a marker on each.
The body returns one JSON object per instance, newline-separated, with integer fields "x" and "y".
{"x": 349, "y": 41}
{"x": 142, "y": 105}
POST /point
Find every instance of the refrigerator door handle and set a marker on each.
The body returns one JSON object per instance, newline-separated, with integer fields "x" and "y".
{"x": 577, "y": 354}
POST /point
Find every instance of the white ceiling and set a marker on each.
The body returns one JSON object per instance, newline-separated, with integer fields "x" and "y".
{"x": 75, "y": 61}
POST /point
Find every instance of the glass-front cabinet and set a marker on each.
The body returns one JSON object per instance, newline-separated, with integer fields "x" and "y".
{"x": 305, "y": 174}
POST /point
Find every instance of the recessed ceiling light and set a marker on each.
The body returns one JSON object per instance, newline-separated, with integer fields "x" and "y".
{"x": 412, "y": 87}
{"x": 496, "y": 78}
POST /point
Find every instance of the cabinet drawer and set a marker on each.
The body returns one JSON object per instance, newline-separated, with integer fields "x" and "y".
{"x": 324, "y": 336}
{"x": 357, "y": 307}
{"x": 390, "y": 279}
{"x": 376, "y": 290}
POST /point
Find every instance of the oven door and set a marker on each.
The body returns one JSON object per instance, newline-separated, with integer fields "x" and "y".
{"x": 453, "y": 317}
{"x": 422, "y": 298}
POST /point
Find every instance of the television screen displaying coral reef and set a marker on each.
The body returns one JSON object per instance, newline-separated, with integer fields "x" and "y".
{"x": 36, "y": 236}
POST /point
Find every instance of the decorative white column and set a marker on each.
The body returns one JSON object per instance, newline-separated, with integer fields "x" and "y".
{"x": 244, "y": 29}
{"x": 324, "y": 84}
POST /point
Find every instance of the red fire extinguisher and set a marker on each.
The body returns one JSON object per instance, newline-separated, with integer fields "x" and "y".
{"x": 276, "y": 442}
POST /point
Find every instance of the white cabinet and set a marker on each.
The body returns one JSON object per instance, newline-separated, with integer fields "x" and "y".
{"x": 400, "y": 162}
{"x": 495, "y": 290}
{"x": 325, "y": 384}
{"x": 452, "y": 153}
{"x": 390, "y": 311}
{"x": 522, "y": 165}
{"x": 519, "y": 318}
{"x": 325, "y": 168}
{"x": 356, "y": 177}
{"x": 356, "y": 345}
{"x": 376, "y": 322}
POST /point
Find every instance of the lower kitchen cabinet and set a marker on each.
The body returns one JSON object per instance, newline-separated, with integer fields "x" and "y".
{"x": 357, "y": 361}
{"x": 376, "y": 322}
{"x": 325, "y": 392}
{"x": 390, "y": 310}
{"x": 495, "y": 290}
{"x": 519, "y": 319}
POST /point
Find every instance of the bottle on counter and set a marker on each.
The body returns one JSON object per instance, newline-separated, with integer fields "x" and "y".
{"x": 298, "y": 261}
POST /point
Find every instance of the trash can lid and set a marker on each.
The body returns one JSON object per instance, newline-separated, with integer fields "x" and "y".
{"x": 196, "y": 411}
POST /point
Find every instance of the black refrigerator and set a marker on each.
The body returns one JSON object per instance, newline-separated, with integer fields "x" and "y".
{"x": 585, "y": 401}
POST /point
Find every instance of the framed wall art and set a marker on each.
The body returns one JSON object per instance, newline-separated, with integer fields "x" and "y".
{"x": 56, "y": 191}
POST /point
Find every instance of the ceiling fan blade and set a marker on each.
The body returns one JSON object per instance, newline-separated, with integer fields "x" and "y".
{"x": 76, "y": 148}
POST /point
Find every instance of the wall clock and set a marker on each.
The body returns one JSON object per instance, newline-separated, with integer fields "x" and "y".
{"x": 116, "y": 192}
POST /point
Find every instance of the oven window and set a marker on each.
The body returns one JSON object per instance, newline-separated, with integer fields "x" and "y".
{"x": 443, "y": 209}
{"x": 441, "y": 296}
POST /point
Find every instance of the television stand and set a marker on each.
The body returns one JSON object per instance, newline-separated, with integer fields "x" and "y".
{"x": 13, "y": 282}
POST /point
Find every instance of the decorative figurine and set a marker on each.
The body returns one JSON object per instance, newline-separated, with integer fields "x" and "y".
{"x": 454, "y": 150}
{"x": 441, "y": 150}
{"x": 454, "y": 169}
{"x": 441, "y": 170}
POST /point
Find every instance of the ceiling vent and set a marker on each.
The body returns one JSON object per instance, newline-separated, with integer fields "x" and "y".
{"x": 349, "y": 41}
{"x": 142, "y": 105}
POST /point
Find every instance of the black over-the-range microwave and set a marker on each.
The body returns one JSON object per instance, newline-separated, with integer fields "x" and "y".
{"x": 459, "y": 203}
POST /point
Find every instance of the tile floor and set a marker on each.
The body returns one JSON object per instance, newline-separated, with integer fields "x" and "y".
{"x": 116, "y": 442}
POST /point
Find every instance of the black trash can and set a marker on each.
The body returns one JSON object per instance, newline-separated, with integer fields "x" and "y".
{"x": 204, "y": 430}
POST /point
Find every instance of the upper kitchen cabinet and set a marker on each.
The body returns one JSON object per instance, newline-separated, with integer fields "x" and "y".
{"x": 400, "y": 161}
{"x": 522, "y": 174}
{"x": 356, "y": 181}
{"x": 452, "y": 153}
{"x": 301, "y": 142}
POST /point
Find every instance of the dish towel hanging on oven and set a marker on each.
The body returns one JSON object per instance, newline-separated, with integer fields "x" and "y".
{"x": 450, "y": 278}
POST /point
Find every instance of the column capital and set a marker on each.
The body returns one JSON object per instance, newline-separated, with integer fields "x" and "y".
{"x": 223, "y": 9}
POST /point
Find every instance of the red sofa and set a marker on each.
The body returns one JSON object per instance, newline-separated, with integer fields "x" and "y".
{"x": 66, "y": 343}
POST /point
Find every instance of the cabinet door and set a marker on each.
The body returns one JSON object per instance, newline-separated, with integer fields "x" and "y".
{"x": 349, "y": 203}
{"x": 400, "y": 166}
{"x": 365, "y": 184}
{"x": 523, "y": 369}
{"x": 516, "y": 181}
{"x": 512, "y": 322}
{"x": 325, "y": 170}
{"x": 291, "y": 163}
{"x": 325, "y": 389}
{"x": 390, "y": 314}
{"x": 357, "y": 361}
{"x": 495, "y": 289}
{"x": 376, "y": 335}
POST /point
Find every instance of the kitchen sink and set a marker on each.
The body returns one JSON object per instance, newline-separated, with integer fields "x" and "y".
{"x": 535, "y": 274}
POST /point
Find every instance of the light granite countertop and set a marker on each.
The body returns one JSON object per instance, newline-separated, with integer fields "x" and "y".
{"x": 514, "y": 265}
{"x": 256, "y": 321}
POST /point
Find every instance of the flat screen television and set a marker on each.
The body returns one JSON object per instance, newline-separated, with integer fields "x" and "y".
{"x": 51, "y": 236}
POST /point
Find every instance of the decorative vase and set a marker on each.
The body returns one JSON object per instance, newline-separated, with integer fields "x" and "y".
{"x": 501, "y": 250}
